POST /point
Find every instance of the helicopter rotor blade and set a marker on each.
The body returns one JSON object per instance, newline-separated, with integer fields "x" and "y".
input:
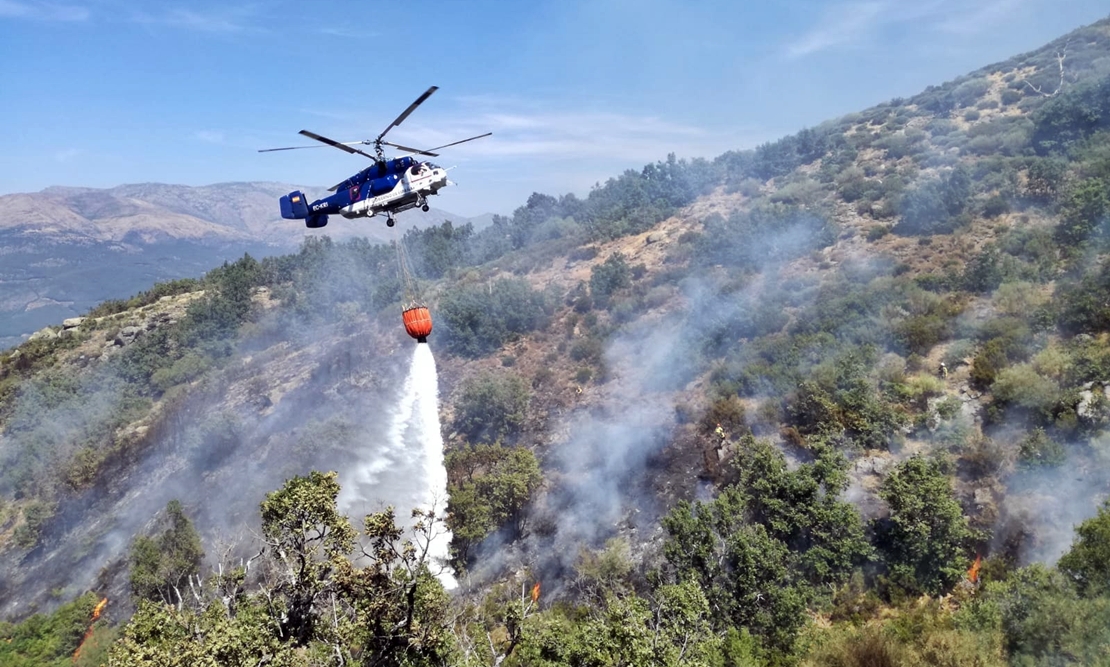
{"x": 411, "y": 150}
{"x": 293, "y": 148}
{"x": 406, "y": 112}
{"x": 456, "y": 143}
{"x": 340, "y": 146}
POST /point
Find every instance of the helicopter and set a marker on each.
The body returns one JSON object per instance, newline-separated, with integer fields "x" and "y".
{"x": 386, "y": 187}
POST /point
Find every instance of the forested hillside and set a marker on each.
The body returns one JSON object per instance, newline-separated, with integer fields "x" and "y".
{"x": 842, "y": 399}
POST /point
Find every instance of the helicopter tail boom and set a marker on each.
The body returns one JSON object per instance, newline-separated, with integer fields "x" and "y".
{"x": 294, "y": 206}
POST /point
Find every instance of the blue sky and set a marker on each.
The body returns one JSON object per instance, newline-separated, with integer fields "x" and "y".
{"x": 103, "y": 92}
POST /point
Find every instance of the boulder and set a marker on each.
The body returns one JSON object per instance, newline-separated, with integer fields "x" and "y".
{"x": 127, "y": 335}
{"x": 72, "y": 322}
{"x": 44, "y": 334}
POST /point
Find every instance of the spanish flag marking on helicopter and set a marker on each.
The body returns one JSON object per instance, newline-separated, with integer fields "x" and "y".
{"x": 296, "y": 199}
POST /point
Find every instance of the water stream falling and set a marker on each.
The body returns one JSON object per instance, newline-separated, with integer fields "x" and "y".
{"x": 426, "y": 430}
{"x": 407, "y": 470}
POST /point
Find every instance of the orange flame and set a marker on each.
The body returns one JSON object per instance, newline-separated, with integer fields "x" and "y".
{"x": 973, "y": 571}
{"x": 536, "y": 592}
{"x": 88, "y": 633}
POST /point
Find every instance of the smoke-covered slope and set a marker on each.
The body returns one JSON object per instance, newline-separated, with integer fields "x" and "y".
{"x": 902, "y": 306}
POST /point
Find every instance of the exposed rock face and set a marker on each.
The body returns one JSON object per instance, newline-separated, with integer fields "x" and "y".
{"x": 44, "y": 334}
{"x": 127, "y": 335}
{"x": 1093, "y": 399}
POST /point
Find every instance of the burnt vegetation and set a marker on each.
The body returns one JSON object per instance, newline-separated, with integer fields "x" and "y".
{"x": 891, "y": 325}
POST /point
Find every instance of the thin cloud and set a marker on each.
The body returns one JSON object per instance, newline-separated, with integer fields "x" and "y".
{"x": 841, "y": 25}
{"x": 857, "y": 23}
{"x": 210, "y": 136}
{"x": 67, "y": 154}
{"x": 42, "y": 11}
{"x": 349, "y": 33}
{"x": 975, "y": 19}
{"x": 236, "y": 20}
{"x": 601, "y": 137}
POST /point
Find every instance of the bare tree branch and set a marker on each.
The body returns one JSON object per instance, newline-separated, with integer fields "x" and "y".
{"x": 1061, "y": 55}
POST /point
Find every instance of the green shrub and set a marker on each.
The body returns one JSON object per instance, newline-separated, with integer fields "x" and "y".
{"x": 490, "y": 486}
{"x": 491, "y": 406}
{"x": 926, "y": 539}
{"x": 608, "y": 277}
{"x": 1087, "y": 563}
{"x": 995, "y": 206}
{"x": 479, "y": 318}
{"x": 876, "y": 232}
{"x": 987, "y": 363}
{"x": 36, "y": 515}
{"x": 936, "y": 206}
{"x": 1022, "y": 386}
{"x": 1038, "y": 449}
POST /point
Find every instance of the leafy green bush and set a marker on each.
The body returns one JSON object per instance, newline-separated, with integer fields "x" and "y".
{"x": 490, "y": 487}
{"x": 1084, "y": 213}
{"x": 925, "y": 541}
{"x": 609, "y": 276}
{"x": 36, "y": 514}
{"x": 50, "y": 639}
{"x": 1023, "y": 387}
{"x": 1071, "y": 116}
{"x": 986, "y": 365}
{"x": 491, "y": 406}
{"x": 936, "y": 206}
{"x": 1087, "y": 563}
{"x": 160, "y": 565}
{"x": 1038, "y": 449}
{"x": 766, "y": 233}
{"x": 479, "y": 318}
{"x": 1010, "y": 96}
{"x": 876, "y": 232}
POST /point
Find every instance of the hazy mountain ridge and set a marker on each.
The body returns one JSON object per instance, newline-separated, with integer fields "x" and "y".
{"x": 65, "y": 249}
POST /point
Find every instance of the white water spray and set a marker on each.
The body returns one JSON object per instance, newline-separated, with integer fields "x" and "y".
{"x": 426, "y": 429}
{"x": 407, "y": 470}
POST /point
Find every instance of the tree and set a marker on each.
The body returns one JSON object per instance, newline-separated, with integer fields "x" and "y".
{"x": 925, "y": 540}
{"x": 1083, "y": 213}
{"x": 802, "y": 508}
{"x": 308, "y": 538}
{"x": 314, "y": 606}
{"x": 1044, "y": 621}
{"x": 479, "y": 318}
{"x": 763, "y": 547}
{"x": 491, "y": 406}
{"x": 1087, "y": 563}
{"x": 490, "y": 487}
{"x": 608, "y": 277}
{"x": 936, "y": 206}
{"x": 161, "y": 566}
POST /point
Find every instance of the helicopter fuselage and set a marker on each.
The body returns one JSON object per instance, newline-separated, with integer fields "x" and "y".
{"x": 364, "y": 196}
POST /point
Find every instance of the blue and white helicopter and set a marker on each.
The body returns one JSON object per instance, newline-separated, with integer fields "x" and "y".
{"x": 386, "y": 187}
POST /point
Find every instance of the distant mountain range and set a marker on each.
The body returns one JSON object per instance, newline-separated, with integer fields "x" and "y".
{"x": 66, "y": 249}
